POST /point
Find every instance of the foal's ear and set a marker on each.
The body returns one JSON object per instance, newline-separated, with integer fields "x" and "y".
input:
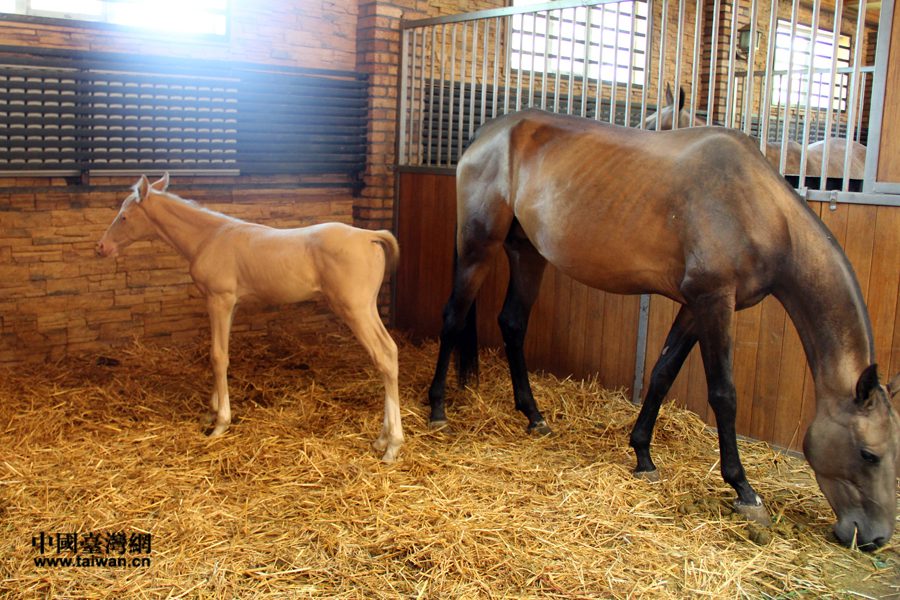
{"x": 669, "y": 99}
{"x": 162, "y": 184}
{"x": 680, "y": 99}
{"x": 143, "y": 187}
{"x": 867, "y": 384}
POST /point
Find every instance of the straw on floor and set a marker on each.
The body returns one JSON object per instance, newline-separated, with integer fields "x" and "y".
{"x": 293, "y": 502}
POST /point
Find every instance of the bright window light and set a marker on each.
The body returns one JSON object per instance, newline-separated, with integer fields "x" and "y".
{"x": 208, "y": 17}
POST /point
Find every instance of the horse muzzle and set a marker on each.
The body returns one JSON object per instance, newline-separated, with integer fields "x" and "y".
{"x": 105, "y": 249}
{"x": 868, "y": 536}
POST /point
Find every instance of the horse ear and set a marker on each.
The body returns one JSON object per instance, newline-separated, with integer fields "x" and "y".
{"x": 162, "y": 184}
{"x": 669, "y": 99}
{"x": 680, "y": 99}
{"x": 893, "y": 386}
{"x": 143, "y": 187}
{"x": 867, "y": 384}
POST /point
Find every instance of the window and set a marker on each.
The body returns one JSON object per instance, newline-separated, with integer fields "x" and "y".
{"x": 209, "y": 17}
{"x": 823, "y": 89}
{"x": 555, "y": 41}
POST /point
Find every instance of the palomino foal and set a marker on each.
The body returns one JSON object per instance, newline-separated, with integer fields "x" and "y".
{"x": 231, "y": 260}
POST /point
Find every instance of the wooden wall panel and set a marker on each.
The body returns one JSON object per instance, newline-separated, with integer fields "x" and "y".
{"x": 579, "y": 331}
{"x": 889, "y": 152}
{"x": 573, "y": 330}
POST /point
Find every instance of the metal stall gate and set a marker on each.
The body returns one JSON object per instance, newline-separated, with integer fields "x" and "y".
{"x": 800, "y": 77}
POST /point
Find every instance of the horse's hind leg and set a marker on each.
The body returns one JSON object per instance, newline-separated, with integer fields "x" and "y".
{"x": 478, "y": 244}
{"x": 679, "y": 342}
{"x": 526, "y": 268}
{"x": 371, "y": 333}
{"x": 713, "y": 313}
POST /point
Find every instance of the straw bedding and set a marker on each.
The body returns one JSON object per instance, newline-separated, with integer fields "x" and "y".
{"x": 293, "y": 502}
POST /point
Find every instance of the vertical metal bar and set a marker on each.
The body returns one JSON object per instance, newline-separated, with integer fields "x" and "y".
{"x": 713, "y": 61}
{"x": 585, "y": 81}
{"x": 440, "y": 141}
{"x": 648, "y": 63}
{"x": 570, "y": 96}
{"x": 420, "y": 149}
{"x": 809, "y": 87}
{"x": 751, "y": 63}
{"x": 463, "y": 59}
{"x": 770, "y": 67}
{"x": 546, "y": 64}
{"x": 484, "y": 72}
{"x": 641, "y": 349}
{"x": 431, "y": 96}
{"x": 862, "y": 102}
{"x": 679, "y": 49}
{"x": 785, "y": 132}
{"x": 508, "y": 65}
{"x": 404, "y": 103}
{"x": 598, "y": 93}
{"x": 452, "y": 96}
{"x": 558, "y": 64}
{"x": 662, "y": 59}
{"x": 614, "y": 84}
{"x": 531, "y": 69}
{"x": 628, "y": 86}
{"x": 854, "y": 92}
{"x": 695, "y": 65}
{"x": 411, "y": 133}
{"x": 474, "y": 81}
{"x": 495, "y": 98}
{"x": 729, "y": 90}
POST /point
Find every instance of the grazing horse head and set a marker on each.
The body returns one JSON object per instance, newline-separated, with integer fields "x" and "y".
{"x": 663, "y": 118}
{"x": 132, "y": 223}
{"x": 854, "y": 452}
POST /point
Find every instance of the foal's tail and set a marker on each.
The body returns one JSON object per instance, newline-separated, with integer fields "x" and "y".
{"x": 466, "y": 341}
{"x": 391, "y": 248}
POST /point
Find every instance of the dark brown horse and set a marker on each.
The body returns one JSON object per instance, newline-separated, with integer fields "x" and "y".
{"x": 699, "y": 216}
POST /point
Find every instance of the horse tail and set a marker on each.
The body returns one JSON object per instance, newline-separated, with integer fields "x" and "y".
{"x": 391, "y": 248}
{"x": 466, "y": 341}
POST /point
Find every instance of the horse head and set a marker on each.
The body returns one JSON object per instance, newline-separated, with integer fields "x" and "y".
{"x": 664, "y": 117}
{"x": 132, "y": 223}
{"x": 854, "y": 449}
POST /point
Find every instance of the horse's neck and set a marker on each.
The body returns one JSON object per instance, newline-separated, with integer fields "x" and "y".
{"x": 821, "y": 295}
{"x": 185, "y": 226}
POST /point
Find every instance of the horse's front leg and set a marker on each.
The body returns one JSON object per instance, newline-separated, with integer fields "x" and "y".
{"x": 713, "y": 314}
{"x": 221, "y": 310}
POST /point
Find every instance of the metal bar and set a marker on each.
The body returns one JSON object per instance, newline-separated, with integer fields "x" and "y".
{"x": 507, "y": 66}
{"x": 628, "y": 86}
{"x": 640, "y": 354}
{"x": 570, "y": 96}
{"x": 598, "y": 93}
{"x": 495, "y": 97}
{"x": 809, "y": 88}
{"x": 587, "y": 62}
{"x": 558, "y": 76}
{"x": 420, "y": 149}
{"x": 854, "y": 92}
{"x": 695, "y": 65}
{"x": 879, "y": 83}
{"x": 431, "y": 96}
{"x": 440, "y": 140}
{"x": 474, "y": 80}
{"x": 614, "y": 84}
{"x": 403, "y": 100}
{"x": 662, "y": 60}
{"x": 546, "y": 61}
{"x": 787, "y": 103}
{"x": 679, "y": 49}
{"x": 729, "y": 89}
{"x": 462, "y": 89}
{"x": 519, "y": 67}
{"x": 770, "y": 67}
{"x": 648, "y": 63}
{"x": 713, "y": 60}
{"x": 531, "y": 66}
{"x": 751, "y": 57}
{"x": 451, "y": 96}
{"x": 484, "y": 72}
{"x": 409, "y": 78}
{"x": 504, "y": 12}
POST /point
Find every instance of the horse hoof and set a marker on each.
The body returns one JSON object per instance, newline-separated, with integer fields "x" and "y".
{"x": 218, "y": 430}
{"x": 391, "y": 455}
{"x": 539, "y": 428}
{"x": 753, "y": 512}
{"x": 380, "y": 444}
{"x": 651, "y": 476}
{"x": 438, "y": 425}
